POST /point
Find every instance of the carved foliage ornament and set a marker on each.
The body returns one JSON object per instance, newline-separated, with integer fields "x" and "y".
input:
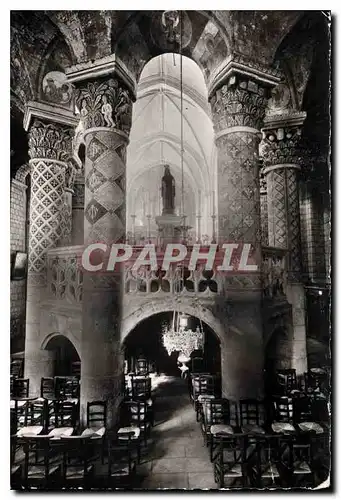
{"x": 104, "y": 104}
{"x": 238, "y": 103}
{"x": 50, "y": 140}
{"x": 283, "y": 146}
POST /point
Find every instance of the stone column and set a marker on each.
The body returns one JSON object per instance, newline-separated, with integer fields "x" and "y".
{"x": 264, "y": 210}
{"x": 105, "y": 105}
{"x": 281, "y": 151}
{"x": 238, "y": 98}
{"x": 50, "y": 138}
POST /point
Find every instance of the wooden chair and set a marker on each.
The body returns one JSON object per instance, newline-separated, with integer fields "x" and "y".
{"x": 266, "y": 467}
{"x": 121, "y": 463}
{"x": 286, "y": 381}
{"x": 39, "y": 470}
{"x": 251, "y": 416}
{"x": 67, "y": 387}
{"x": 96, "y": 421}
{"x": 230, "y": 466}
{"x": 37, "y": 413}
{"x": 17, "y": 366}
{"x": 141, "y": 367}
{"x": 77, "y": 470}
{"x": 47, "y": 388}
{"x": 216, "y": 415}
{"x": 21, "y": 387}
{"x": 141, "y": 390}
{"x": 301, "y": 465}
{"x": 202, "y": 384}
{"x": 65, "y": 414}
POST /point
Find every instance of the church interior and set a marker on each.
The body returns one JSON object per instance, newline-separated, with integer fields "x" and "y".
{"x": 145, "y": 129}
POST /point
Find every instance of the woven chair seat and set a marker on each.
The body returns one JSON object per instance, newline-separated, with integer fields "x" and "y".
{"x": 38, "y": 471}
{"x": 92, "y": 432}
{"x": 301, "y": 468}
{"x": 234, "y": 471}
{"x": 252, "y": 429}
{"x": 123, "y": 432}
{"x": 221, "y": 429}
{"x": 311, "y": 426}
{"x": 284, "y": 427}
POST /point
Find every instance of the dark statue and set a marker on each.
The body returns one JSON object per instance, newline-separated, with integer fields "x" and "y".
{"x": 168, "y": 192}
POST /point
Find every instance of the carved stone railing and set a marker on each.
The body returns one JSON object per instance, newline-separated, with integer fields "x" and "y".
{"x": 274, "y": 273}
{"x": 65, "y": 279}
{"x": 64, "y": 274}
{"x": 173, "y": 281}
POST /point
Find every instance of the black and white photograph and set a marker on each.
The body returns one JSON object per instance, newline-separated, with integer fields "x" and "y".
{"x": 170, "y": 250}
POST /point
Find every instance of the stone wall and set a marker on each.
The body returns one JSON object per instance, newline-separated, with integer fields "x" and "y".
{"x": 18, "y": 243}
{"x": 315, "y": 223}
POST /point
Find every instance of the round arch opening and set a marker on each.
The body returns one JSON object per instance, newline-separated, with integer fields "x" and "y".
{"x": 144, "y": 346}
{"x": 65, "y": 355}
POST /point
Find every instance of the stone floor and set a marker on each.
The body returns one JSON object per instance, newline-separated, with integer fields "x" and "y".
{"x": 176, "y": 457}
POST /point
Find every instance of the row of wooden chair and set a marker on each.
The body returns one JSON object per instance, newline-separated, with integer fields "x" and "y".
{"x": 50, "y": 387}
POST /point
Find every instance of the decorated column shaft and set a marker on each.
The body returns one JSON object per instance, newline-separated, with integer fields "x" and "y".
{"x": 50, "y": 150}
{"x": 282, "y": 151}
{"x": 105, "y": 110}
{"x": 238, "y": 100}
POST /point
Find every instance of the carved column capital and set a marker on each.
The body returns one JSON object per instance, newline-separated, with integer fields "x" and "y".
{"x": 104, "y": 103}
{"x": 240, "y": 102}
{"x": 282, "y": 142}
{"x": 52, "y": 141}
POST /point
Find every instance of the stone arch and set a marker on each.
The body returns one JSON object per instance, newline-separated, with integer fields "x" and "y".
{"x": 22, "y": 173}
{"x": 187, "y": 305}
{"x": 69, "y": 336}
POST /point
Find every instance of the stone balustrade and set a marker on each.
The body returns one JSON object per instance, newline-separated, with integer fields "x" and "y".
{"x": 65, "y": 278}
{"x": 64, "y": 274}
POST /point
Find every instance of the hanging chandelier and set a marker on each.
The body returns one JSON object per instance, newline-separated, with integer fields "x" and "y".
{"x": 179, "y": 338}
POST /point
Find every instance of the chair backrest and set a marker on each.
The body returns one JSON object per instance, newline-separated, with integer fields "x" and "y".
{"x": 302, "y": 409}
{"x": 65, "y": 414}
{"x": 76, "y": 369}
{"x": 96, "y": 414}
{"x": 141, "y": 387}
{"x": 287, "y": 379}
{"x": 76, "y": 453}
{"x": 36, "y": 447}
{"x": 47, "y": 388}
{"x": 37, "y": 413}
{"x": 283, "y": 409}
{"x": 232, "y": 448}
{"x": 136, "y": 412}
{"x": 120, "y": 455}
{"x": 216, "y": 411}
{"x": 67, "y": 387}
{"x": 141, "y": 367}
{"x": 21, "y": 387}
{"x": 267, "y": 448}
{"x": 197, "y": 364}
{"x": 17, "y": 368}
{"x": 250, "y": 411}
{"x": 203, "y": 384}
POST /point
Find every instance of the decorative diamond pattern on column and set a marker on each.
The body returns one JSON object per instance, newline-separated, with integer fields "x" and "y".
{"x": 277, "y": 218}
{"x": 95, "y": 149}
{"x": 94, "y": 211}
{"x": 238, "y": 189}
{"x": 294, "y": 222}
{"x": 47, "y": 183}
{"x": 105, "y": 186}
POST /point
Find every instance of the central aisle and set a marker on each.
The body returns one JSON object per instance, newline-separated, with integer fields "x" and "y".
{"x": 177, "y": 457}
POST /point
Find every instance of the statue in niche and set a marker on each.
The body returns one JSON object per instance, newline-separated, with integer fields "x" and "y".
{"x": 168, "y": 192}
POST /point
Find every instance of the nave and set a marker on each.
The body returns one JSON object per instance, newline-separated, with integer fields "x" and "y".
{"x": 172, "y": 434}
